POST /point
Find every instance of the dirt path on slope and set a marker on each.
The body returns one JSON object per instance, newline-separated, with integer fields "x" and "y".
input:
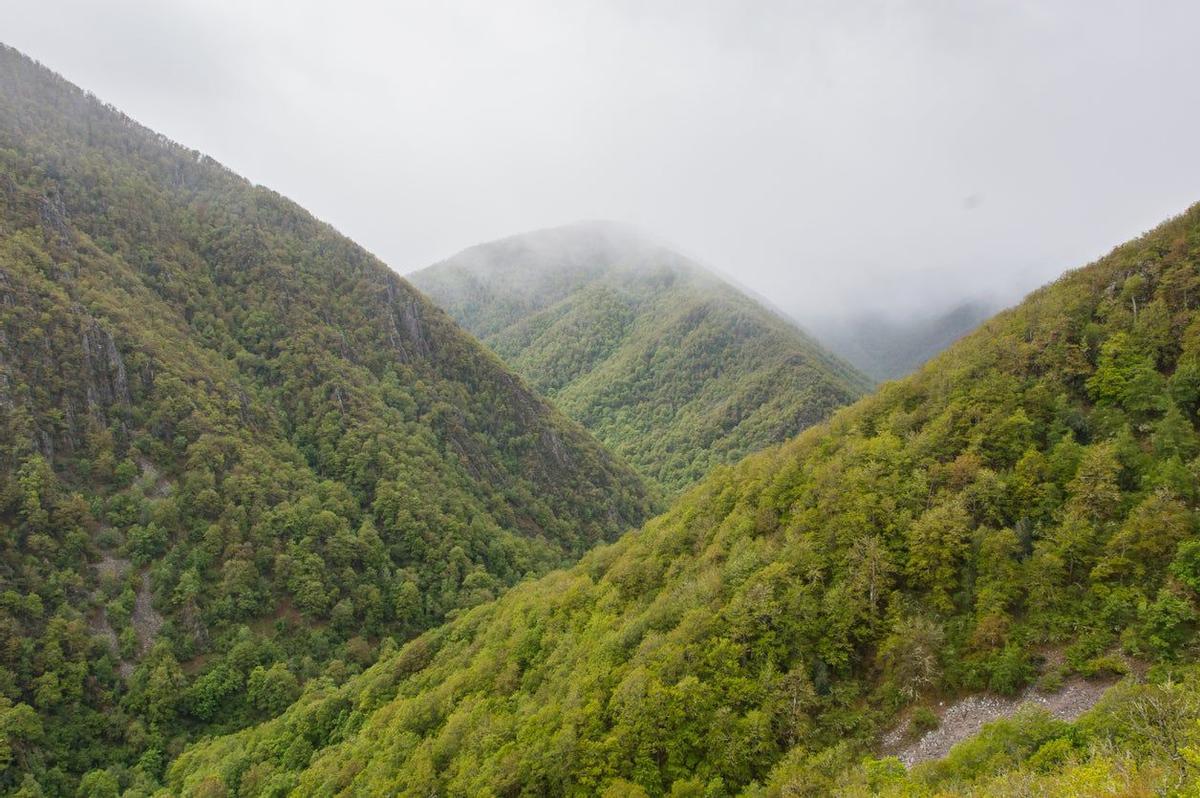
{"x": 965, "y": 717}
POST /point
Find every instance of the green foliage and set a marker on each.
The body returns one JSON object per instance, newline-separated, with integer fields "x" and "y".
{"x": 272, "y": 689}
{"x": 1000, "y": 745}
{"x": 322, "y": 461}
{"x": 1009, "y": 669}
{"x": 929, "y": 540}
{"x": 937, "y": 544}
{"x": 99, "y": 784}
{"x": 1141, "y": 739}
{"x": 1126, "y": 376}
{"x": 234, "y": 450}
{"x": 923, "y": 719}
{"x": 911, "y": 654}
{"x": 668, "y": 365}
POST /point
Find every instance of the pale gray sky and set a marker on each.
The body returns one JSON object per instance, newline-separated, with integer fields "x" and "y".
{"x": 823, "y": 153}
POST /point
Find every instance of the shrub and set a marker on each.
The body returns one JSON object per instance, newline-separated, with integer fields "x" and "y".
{"x": 923, "y": 720}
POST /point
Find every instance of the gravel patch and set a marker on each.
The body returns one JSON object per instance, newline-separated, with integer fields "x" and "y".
{"x": 159, "y": 486}
{"x": 146, "y": 620}
{"x": 110, "y": 567}
{"x": 965, "y": 717}
{"x": 100, "y": 627}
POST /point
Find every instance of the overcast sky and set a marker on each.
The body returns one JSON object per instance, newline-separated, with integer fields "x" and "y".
{"x": 827, "y": 155}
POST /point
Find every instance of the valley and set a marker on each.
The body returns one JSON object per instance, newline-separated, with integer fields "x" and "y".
{"x": 571, "y": 513}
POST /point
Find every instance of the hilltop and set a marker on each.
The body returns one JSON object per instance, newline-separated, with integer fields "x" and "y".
{"x": 668, "y": 364}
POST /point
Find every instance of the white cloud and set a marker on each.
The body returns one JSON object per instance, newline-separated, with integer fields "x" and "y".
{"x": 880, "y": 153}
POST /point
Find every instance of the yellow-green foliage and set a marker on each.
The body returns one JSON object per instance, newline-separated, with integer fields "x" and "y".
{"x": 261, "y": 433}
{"x": 1140, "y": 740}
{"x": 932, "y": 538}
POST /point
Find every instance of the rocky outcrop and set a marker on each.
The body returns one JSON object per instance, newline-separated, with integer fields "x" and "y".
{"x": 104, "y": 379}
{"x": 406, "y": 332}
{"x": 54, "y": 215}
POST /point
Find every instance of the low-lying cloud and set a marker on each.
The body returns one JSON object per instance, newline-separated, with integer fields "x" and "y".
{"x": 831, "y": 156}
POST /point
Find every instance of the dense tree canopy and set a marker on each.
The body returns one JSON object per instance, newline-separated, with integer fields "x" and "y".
{"x": 1023, "y": 507}
{"x": 241, "y": 463}
{"x": 236, "y": 451}
{"x": 670, "y": 366}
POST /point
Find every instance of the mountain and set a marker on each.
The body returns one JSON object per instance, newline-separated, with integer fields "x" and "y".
{"x": 1023, "y": 507}
{"x": 670, "y": 366}
{"x": 233, "y": 442}
{"x": 889, "y": 347}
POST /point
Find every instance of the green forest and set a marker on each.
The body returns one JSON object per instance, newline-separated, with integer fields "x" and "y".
{"x": 273, "y": 524}
{"x": 237, "y": 453}
{"x": 1022, "y": 509}
{"x": 670, "y": 366}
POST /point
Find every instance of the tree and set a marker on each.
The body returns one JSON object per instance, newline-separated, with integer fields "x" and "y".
{"x": 1074, "y": 541}
{"x": 20, "y": 729}
{"x": 909, "y": 655}
{"x": 1174, "y": 435}
{"x": 1147, "y": 539}
{"x": 937, "y": 544}
{"x": 272, "y": 690}
{"x": 1094, "y": 491}
{"x": 871, "y": 568}
{"x": 1186, "y": 565}
{"x": 99, "y": 784}
{"x": 38, "y": 485}
{"x": 1125, "y": 377}
{"x": 1167, "y": 623}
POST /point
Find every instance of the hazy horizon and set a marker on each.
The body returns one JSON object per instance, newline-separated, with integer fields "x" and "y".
{"x": 831, "y": 158}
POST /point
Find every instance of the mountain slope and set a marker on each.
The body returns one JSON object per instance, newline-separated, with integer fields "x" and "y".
{"x": 231, "y": 439}
{"x": 889, "y": 348}
{"x": 670, "y": 366}
{"x": 1025, "y": 503}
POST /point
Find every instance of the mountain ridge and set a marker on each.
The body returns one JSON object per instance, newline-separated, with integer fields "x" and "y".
{"x": 666, "y": 361}
{"x": 1024, "y": 506}
{"x": 232, "y": 444}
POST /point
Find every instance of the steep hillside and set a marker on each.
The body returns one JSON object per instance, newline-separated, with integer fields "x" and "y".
{"x": 887, "y": 348}
{"x": 670, "y": 366}
{"x": 233, "y": 443}
{"x": 1023, "y": 507}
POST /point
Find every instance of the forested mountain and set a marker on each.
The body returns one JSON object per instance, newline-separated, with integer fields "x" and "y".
{"x": 1024, "y": 506}
{"x": 236, "y": 450}
{"x": 888, "y": 347}
{"x": 670, "y": 366}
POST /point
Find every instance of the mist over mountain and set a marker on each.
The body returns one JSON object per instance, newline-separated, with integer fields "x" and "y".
{"x": 772, "y": 502}
{"x": 832, "y": 155}
{"x": 886, "y": 346}
{"x": 671, "y": 366}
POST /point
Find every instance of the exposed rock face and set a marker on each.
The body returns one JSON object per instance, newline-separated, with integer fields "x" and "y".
{"x": 104, "y": 376}
{"x": 6, "y": 397}
{"x": 54, "y": 214}
{"x": 553, "y": 444}
{"x": 405, "y": 330}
